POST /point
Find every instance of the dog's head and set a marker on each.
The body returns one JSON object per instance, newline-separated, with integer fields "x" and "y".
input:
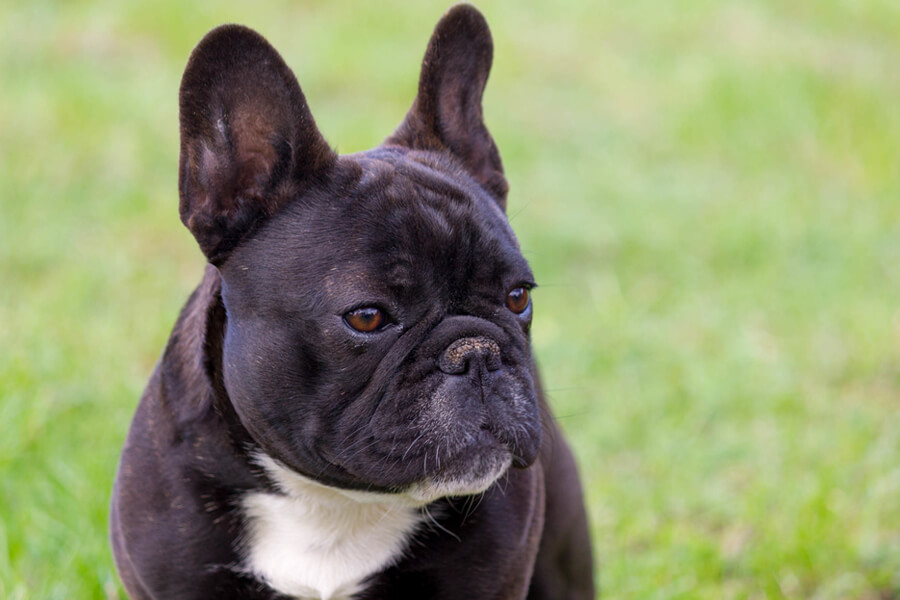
{"x": 378, "y": 310}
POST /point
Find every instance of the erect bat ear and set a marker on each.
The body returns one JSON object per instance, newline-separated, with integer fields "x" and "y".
{"x": 446, "y": 114}
{"x": 249, "y": 143}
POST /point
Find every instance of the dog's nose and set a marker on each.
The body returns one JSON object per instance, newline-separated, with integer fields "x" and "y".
{"x": 466, "y": 353}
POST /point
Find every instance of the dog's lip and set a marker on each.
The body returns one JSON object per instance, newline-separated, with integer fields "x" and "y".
{"x": 520, "y": 460}
{"x": 472, "y": 469}
{"x": 484, "y": 441}
{"x": 487, "y": 433}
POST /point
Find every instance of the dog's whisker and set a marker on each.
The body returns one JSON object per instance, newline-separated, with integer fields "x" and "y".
{"x": 427, "y": 513}
{"x": 413, "y": 443}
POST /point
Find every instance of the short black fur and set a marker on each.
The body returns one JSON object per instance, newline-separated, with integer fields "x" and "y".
{"x": 262, "y": 361}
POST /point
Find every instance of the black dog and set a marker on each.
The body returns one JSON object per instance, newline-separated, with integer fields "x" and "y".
{"x": 348, "y": 406}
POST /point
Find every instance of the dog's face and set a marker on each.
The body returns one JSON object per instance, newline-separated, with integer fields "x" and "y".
{"x": 378, "y": 333}
{"x": 377, "y": 304}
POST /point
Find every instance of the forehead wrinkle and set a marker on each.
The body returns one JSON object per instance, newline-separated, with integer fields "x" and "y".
{"x": 350, "y": 281}
{"x": 429, "y": 178}
{"x": 374, "y": 174}
{"x": 457, "y": 204}
{"x": 435, "y": 226}
{"x": 425, "y": 220}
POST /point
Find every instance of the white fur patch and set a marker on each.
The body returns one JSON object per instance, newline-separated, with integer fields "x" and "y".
{"x": 430, "y": 490}
{"x": 317, "y": 542}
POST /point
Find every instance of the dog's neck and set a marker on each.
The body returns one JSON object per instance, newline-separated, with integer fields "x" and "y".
{"x": 312, "y": 541}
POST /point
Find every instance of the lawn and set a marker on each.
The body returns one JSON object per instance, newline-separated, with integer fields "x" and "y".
{"x": 709, "y": 194}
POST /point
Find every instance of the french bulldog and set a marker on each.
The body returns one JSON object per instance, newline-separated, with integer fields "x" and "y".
{"x": 348, "y": 406}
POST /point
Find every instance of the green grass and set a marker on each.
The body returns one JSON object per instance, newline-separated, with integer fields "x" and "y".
{"x": 709, "y": 193}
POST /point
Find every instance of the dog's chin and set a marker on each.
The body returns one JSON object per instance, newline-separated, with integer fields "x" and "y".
{"x": 468, "y": 474}
{"x": 481, "y": 474}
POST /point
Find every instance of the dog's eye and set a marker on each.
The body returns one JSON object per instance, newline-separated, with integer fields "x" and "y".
{"x": 366, "y": 319}
{"x": 518, "y": 300}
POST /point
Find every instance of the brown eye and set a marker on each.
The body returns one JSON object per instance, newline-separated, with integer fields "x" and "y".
{"x": 366, "y": 319}
{"x": 518, "y": 300}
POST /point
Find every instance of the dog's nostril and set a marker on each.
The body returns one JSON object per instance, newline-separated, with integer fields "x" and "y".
{"x": 459, "y": 356}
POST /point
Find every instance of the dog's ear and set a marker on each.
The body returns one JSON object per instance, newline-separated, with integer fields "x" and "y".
{"x": 248, "y": 140}
{"x": 446, "y": 114}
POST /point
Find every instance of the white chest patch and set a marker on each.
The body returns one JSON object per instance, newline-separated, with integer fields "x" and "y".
{"x": 316, "y": 542}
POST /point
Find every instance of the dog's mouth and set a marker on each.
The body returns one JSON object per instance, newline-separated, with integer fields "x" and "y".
{"x": 466, "y": 466}
{"x": 450, "y": 444}
{"x": 472, "y": 469}
{"x": 420, "y": 433}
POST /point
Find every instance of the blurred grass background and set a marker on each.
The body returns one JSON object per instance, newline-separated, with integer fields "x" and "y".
{"x": 708, "y": 193}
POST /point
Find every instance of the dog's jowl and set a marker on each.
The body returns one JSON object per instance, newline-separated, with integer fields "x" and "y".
{"x": 348, "y": 406}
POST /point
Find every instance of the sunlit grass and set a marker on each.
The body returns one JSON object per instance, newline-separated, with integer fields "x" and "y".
{"x": 709, "y": 194}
